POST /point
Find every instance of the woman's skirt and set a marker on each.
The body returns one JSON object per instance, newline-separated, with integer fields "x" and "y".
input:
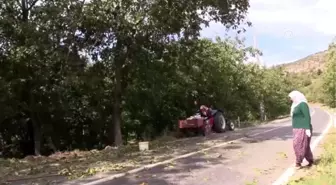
{"x": 301, "y": 145}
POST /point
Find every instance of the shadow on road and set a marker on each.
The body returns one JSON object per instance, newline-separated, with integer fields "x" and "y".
{"x": 162, "y": 174}
{"x": 283, "y": 133}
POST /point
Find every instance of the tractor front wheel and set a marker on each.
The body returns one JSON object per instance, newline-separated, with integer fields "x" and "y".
{"x": 231, "y": 125}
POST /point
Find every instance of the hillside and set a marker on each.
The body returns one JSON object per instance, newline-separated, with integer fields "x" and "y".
{"x": 310, "y": 63}
{"x": 306, "y": 75}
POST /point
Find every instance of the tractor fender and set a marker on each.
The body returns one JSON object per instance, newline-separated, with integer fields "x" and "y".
{"x": 215, "y": 111}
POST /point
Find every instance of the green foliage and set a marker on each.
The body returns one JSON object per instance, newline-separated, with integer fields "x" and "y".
{"x": 329, "y": 76}
{"x": 310, "y": 84}
{"x": 77, "y": 74}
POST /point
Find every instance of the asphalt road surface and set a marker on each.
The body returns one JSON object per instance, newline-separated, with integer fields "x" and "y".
{"x": 260, "y": 158}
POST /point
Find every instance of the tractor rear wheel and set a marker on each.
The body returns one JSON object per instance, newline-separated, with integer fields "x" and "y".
{"x": 220, "y": 124}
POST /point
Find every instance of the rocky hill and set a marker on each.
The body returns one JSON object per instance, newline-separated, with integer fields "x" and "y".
{"x": 311, "y": 63}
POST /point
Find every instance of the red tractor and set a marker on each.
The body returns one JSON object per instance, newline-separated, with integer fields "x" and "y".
{"x": 205, "y": 121}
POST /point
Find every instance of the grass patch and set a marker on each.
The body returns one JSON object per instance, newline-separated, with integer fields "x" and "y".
{"x": 325, "y": 172}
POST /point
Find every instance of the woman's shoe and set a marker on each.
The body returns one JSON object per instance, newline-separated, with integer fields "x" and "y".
{"x": 298, "y": 166}
{"x": 310, "y": 163}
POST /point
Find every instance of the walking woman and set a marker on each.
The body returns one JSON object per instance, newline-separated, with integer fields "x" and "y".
{"x": 302, "y": 128}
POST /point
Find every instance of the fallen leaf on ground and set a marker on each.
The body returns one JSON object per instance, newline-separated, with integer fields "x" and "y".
{"x": 282, "y": 155}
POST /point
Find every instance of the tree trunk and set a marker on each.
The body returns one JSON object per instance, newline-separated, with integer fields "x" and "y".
{"x": 262, "y": 110}
{"x": 47, "y": 130}
{"x": 51, "y": 144}
{"x": 36, "y": 124}
{"x": 34, "y": 119}
{"x": 37, "y": 134}
{"x": 1, "y": 144}
{"x": 115, "y": 132}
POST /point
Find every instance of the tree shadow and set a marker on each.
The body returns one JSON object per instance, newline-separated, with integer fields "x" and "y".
{"x": 166, "y": 174}
{"x": 283, "y": 133}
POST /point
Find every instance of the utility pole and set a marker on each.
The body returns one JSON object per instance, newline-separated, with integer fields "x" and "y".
{"x": 255, "y": 46}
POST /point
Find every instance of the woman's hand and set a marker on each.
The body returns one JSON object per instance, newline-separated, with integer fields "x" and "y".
{"x": 308, "y": 133}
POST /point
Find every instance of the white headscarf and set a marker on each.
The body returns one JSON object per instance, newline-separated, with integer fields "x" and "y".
{"x": 297, "y": 98}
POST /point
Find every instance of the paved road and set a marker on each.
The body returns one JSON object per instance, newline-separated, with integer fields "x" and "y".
{"x": 260, "y": 158}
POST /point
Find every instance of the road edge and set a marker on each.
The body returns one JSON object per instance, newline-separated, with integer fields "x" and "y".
{"x": 286, "y": 175}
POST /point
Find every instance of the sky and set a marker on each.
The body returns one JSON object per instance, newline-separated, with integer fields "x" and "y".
{"x": 286, "y": 30}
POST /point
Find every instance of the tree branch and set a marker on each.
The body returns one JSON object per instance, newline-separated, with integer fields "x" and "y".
{"x": 32, "y": 5}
